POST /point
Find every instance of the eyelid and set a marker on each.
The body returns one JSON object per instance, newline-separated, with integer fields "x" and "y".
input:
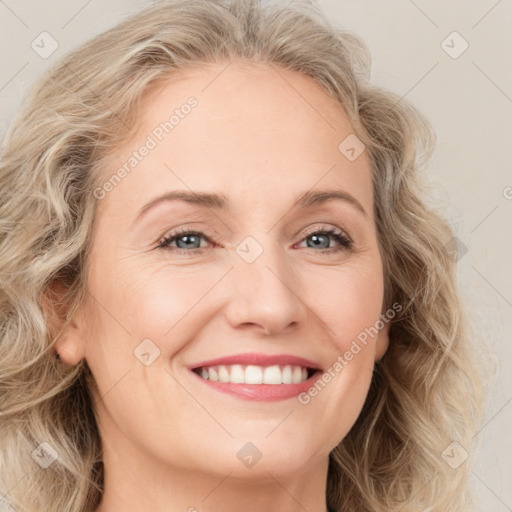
{"x": 202, "y": 230}
{"x": 324, "y": 227}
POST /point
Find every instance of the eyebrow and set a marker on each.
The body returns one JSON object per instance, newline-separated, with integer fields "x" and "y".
{"x": 214, "y": 201}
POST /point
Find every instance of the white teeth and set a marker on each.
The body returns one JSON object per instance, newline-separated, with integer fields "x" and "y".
{"x": 252, "y": 374}
{"x": 297, "y": 374}
{"x": 287, "y": 374}
{"x": 272, "y": 375}
{"x": 237, "y": 375}
{"x": 223, "y": 374}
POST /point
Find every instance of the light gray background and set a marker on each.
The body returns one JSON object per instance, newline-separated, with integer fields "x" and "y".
{"x": 467, "y": 99}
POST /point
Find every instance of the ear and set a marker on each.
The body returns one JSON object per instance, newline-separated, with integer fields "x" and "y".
{"x": 382, "y": 341}
{"x": 68, "y": 339}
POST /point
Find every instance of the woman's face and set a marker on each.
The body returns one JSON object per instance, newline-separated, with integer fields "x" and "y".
{"x": 249, "y": 273}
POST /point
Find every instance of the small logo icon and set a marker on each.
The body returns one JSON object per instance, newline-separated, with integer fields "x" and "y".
{"x": 351, "y": 147}
{"x": 454, "y": 45}
{"x": 44, "y": 45}
{"x": 249, "y": 455}
{"x": 454, "y": 455}
{"x": 249, "y": 249}
{"x": 44, "y": 455}
{"x": 146, "y": 352}
{"x": 455, "y": 249}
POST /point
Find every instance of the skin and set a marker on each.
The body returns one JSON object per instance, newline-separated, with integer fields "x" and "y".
{"x": 262, "y": 138}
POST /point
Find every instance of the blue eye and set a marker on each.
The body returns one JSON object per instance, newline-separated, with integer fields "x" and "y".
{"x": 185, "y": 240}
{"x": 321, "y": 238}
{"x": 189, "y": 242}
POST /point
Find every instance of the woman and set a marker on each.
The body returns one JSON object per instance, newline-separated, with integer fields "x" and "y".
{"x": 221, "y": 286}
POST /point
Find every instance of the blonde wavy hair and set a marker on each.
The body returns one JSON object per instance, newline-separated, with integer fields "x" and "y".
{"x": 427, "y": 391}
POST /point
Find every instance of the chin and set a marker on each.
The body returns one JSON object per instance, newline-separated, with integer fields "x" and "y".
{"x": 255, "y": 459}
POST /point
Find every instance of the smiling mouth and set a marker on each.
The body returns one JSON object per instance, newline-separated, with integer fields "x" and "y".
{"x": 253, "y": 374}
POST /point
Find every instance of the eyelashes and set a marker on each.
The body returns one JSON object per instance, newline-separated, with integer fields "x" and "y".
{"x": 343, "y": 240}
{"x": 319, "y": 236}
{"x": 182, "y": 234}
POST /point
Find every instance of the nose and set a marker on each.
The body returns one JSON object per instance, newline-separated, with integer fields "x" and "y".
{"x": 265, "y": 296}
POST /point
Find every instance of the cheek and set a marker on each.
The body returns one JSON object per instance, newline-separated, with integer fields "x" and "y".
{"x": 164, "y": 301}
{"x": 149, "y": 300}
{"x": 159, "y": 304}
{"x": 133, "y": 305}
{"x": 349, "y": 304}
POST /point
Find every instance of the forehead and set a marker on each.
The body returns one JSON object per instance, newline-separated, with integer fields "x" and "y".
{"x": 256, "y": 132}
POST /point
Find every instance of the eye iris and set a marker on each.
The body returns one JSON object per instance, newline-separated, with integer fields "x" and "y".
{"x": 189, "y": 239}
{"x": 318, "y": 242}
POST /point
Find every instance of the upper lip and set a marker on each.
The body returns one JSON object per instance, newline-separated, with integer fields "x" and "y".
{"x": 258, "y": 360}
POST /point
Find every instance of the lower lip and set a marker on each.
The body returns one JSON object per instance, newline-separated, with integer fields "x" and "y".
{"x": 263, "y": 392}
